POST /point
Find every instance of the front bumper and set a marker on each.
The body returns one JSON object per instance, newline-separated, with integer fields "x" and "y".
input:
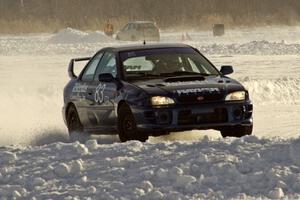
{"x": 198, "y": 116}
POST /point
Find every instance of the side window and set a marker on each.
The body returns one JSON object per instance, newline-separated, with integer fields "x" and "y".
{"x": 107, "y": 65}
{"x": 89, "y": 72}
{"x": 130, "y": 27}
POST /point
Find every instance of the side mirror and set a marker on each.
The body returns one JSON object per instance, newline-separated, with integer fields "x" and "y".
{"x": 106, "y": 77}
{"x": 225, "y": 70}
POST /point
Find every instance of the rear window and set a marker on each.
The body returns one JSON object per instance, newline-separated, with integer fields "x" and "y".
{"x": 146, "y": 26}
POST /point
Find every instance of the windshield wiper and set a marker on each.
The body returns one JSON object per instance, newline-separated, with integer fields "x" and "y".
{"x": 184, "y": 73}
{"x": 142, "y": 74}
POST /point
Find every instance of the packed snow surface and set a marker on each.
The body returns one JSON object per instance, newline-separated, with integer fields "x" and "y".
{"x": 189, "y": 165}
{"x": 247, "y": 168}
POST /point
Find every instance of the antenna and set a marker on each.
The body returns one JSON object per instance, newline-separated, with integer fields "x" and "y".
{"x": 144, "y": 43}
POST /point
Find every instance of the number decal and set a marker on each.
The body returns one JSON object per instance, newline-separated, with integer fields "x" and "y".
{"x": 99, "y": 93}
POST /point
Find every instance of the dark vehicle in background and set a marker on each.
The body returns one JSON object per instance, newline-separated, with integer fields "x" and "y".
{"x": 138, "y": 91}
{"x": 218, "y": 29}
{"x": 139, "y": 31}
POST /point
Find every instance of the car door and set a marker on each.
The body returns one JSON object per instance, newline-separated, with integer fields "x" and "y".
{"x": 102, "y": 94}
{"x": 80, "y": 90}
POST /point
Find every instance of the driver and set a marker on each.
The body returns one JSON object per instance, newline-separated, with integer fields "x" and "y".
{"x": 167, "y": 64}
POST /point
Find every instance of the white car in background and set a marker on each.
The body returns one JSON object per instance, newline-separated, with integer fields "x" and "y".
{"x": 139, "y": 31}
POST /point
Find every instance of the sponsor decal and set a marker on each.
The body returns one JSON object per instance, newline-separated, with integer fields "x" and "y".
{"x": 80, "y": 88}
{"x": 78, "y": 96}
{"x": 197, "y": 90}
{"x": 99, "y": 93}
{"x": 133, "y": 67}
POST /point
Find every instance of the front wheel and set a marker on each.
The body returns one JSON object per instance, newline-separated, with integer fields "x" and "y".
{"x": 127, "y": 126}
{"x": 75, "y": 127}
{"x": 236, "y": 131}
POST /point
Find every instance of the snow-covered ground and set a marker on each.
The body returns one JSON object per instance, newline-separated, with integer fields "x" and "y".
{"x": 185, "y": 165}
{"x": 248, "y": 168}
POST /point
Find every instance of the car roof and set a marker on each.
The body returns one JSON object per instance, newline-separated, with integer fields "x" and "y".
{"x": 147, "y": 46}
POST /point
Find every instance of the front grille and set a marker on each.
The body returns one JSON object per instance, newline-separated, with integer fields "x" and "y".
{"x": 187, "y": 118}
{"x": 192, "y": 99}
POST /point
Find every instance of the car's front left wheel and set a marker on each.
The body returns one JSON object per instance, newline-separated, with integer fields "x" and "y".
{"x": 127, "y": 126}
{"x": 75, "y": 127}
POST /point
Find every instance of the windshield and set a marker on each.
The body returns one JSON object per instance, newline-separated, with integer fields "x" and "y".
{"x": 166, "y": 63}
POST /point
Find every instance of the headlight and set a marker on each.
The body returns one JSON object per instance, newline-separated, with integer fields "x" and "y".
{"x": 159, "y": 100}
{"x": 236, "y": 96}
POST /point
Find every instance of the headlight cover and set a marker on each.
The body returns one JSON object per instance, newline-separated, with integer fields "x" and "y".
{"x": 160, "y": 100}
{"x": 236, "y": 96}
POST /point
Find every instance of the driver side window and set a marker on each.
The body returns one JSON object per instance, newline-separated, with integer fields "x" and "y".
{"x": 107, "y": 65}
{"x": 89, "y": 72}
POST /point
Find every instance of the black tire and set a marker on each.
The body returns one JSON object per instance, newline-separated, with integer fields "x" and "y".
{"x": 127, "y": 126}
{"x": 236, "y": 131}
{"x": 75, "y": 127}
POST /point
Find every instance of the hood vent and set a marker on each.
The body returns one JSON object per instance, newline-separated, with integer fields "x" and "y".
{"x": 184, "y": 79}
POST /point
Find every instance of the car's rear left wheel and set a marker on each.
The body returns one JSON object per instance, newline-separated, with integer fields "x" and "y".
{"x": 127, "y": 126}
{"x": 75, "y": 127}
{"x": 236, "y": 131}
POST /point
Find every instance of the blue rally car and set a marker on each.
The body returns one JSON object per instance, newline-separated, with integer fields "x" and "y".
{"x": 154, "y": 89}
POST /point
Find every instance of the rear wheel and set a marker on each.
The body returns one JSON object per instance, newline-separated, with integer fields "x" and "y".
{"x": 75, "y": 127}
{"x": 127, "y": 126}
{"x": 236, "y": 131}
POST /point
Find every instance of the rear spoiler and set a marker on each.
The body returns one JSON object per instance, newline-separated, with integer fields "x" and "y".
{"x": 71, "y": 66}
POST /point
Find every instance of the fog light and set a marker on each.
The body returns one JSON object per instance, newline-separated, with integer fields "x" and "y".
{"x": 238, "y": 113}
{"x": 163, "y": 117}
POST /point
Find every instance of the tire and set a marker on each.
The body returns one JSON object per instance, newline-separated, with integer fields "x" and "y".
{"x": 75, "y": 127}
{"x": 237, "y": 131}
{"x": 127, "y": 126}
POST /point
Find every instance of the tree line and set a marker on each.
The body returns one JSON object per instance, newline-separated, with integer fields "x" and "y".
{"x": 50, "y": 15}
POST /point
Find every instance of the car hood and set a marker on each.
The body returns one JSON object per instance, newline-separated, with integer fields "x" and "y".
{"x": 211, "y": 88}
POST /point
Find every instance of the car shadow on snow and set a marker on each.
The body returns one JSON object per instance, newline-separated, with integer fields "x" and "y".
{"x": 50, "y": 136}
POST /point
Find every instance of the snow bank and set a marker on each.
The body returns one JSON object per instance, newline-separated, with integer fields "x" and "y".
{"x": 70, "y": 35}
{"x": 71, "y": 41}
{"x": 251, "y": 48}
{"x": 274, "y": 92}
{"x": 247, "y": 168}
